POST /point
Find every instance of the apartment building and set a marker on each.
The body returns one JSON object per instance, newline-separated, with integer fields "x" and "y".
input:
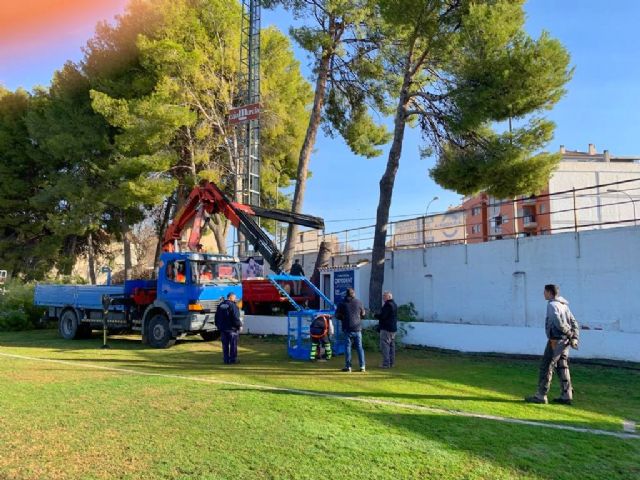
{"x": 596, "y": 203}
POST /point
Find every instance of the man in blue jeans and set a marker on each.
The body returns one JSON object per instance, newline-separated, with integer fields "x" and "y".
{"x": 351, "y": 312}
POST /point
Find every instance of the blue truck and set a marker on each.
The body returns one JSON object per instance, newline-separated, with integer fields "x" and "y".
{"x": 181, "y": 301}
{"x": 189, "y": 286}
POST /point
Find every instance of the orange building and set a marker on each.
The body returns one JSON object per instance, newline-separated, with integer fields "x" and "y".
{"x": 488, "y": 218}
{"x": 597, "y": 204}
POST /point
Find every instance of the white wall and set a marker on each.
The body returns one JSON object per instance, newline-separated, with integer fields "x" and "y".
{"x": 501, "y": 282}
{"x": 487, "y": 339}
{"x": 487, "y": 297}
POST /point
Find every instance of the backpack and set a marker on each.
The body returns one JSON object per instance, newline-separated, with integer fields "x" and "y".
{"x": 319, "y": 327}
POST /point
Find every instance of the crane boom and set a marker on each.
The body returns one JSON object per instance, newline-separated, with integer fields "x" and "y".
{"x": 207, "y": 199}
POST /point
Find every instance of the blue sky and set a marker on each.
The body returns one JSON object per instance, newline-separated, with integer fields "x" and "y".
{"x": 602, "y": 105}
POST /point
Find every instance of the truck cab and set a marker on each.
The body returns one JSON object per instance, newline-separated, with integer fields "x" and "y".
{"x": 190, "y": 286}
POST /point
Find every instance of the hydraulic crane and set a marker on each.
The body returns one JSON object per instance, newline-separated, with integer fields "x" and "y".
{"x": 207, "y": 199}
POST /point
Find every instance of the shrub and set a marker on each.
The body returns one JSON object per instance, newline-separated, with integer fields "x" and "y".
{"x": 17, "y": 311}
{"x": 407, "y": 313}
{"x": 370, "y": 339}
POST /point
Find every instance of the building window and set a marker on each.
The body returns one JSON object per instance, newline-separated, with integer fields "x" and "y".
{"x": 542, "y": 209}
{"x": 475, "y": 228}
{"x": 498, "y": 221}
{"x": 302, "y": 238}
{"x": 475, "y": 211}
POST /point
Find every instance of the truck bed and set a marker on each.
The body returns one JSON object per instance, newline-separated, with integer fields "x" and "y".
{"x": 79, "y": 296}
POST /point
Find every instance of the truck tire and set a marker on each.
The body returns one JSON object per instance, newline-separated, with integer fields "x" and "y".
{"x": 68, "y": 325}
{"x": 159, "y": 332}
{"x": 210, "y": 335}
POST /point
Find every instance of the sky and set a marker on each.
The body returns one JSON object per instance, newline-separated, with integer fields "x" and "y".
{"x": 602, "y": 105}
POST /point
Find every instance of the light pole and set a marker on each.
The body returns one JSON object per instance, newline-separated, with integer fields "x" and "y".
{"x": 426, "y": 213}
{"x": 613, "y": 190}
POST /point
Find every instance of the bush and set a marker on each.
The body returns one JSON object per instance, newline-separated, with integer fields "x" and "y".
{"x": 17, "y": 311}
{"x": 370, "y": 339}
{"x": 407, "y": 313}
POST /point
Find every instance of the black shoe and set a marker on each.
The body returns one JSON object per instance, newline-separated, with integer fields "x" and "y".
{"x": 346, "y": 369}
{"x": 563, "y": 401}
{"x": 534, "y": 399}
{"x": 235, "y": 362}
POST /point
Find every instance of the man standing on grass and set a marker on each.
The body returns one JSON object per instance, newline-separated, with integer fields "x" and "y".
{"x": 229, "y": 323}
{"x": 562, "y": 333}
{"x": 351, "y": 312}
{"x": 388, "y": 326}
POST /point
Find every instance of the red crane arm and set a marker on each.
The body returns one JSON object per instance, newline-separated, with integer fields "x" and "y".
{"x": 207, "y": 199}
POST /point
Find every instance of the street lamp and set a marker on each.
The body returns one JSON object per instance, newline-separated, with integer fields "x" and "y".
{"x": 613, "y": 190}
{"x": 424, "y": 223}
{"x": 426, "y": 212}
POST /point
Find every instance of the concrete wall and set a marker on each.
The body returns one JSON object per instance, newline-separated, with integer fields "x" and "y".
{"x": 501, "y": 282}
{"x": 487, "y": 339}
{"x": 487, "y": 297}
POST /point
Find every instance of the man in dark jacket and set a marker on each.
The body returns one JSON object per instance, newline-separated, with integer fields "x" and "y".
{"x": 296, "y": 269}
{"x": 562, "y": 332}
{"x": 388, "y": 325}
{"x": 229, "y": 323}
{"x": 351, "y": 312}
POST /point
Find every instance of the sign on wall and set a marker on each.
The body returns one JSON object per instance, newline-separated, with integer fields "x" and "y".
{"x": 341, "y": 281}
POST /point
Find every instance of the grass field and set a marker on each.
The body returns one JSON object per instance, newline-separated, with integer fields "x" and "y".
{"x": 67, "y": 420}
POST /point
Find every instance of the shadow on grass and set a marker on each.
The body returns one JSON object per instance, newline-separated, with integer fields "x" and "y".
{"x": 603, "y": 390}
{"x": 528, "y": 450}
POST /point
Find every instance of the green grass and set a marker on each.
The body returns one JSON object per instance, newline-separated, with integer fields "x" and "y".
{"x": 67, "y": 421}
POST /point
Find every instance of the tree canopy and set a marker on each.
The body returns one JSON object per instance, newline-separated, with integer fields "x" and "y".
{"x": 143, "y": 114}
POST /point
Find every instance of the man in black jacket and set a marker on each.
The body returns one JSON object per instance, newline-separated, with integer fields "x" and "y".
{"x": 351, "y": 312}
{"x": 388, "y": 324}
{"x": 229, "y": 323}
{"x": 296, "y": 269}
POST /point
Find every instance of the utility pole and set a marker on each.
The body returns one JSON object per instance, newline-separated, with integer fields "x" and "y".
{"x": 246, "y": 116}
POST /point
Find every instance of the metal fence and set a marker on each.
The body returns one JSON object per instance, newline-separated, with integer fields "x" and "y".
{"x": 603, "y": 205}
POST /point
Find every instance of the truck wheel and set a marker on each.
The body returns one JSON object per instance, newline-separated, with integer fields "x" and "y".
{"x": 210, "y": 335}
{"x": 68, "y": 325}
{"x": 159, "y": 332}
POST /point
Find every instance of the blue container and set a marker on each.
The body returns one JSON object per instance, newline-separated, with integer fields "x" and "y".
{"x": 299, "y": 339}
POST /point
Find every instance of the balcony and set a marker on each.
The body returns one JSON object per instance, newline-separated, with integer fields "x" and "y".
{"x": 529, "y": 221}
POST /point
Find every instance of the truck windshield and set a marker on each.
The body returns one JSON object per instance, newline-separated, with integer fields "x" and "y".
{"x": 210, "y": 272}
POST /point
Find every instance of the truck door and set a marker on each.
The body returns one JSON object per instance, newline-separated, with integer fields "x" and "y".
{"x": 174, "y": 285}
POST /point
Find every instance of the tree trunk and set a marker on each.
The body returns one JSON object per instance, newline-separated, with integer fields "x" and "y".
{"x": 309, "y": 141}
{"x": 220, "y": 229}
{"x": 163, "y": 228}
{"x": 324, "y": 255}
{"x": 386, "y": 191}
{"x": 92, "y": 259}
{"x": 127, "y": 248}
{"x": 69, "y": 261}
